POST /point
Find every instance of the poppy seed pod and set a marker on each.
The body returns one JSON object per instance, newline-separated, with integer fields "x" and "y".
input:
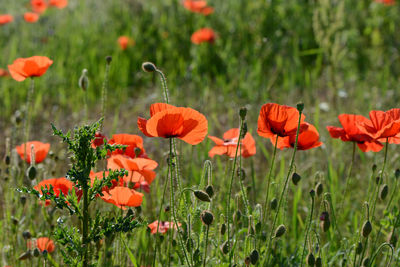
{"x": 366, "y": 229}
{"x": 300, "y": 106}
{"x": 273, "y": 204}
{"x": 108, "y": 59}
{"x": 243, "y": 112}
{"x": 359, "y": 248}
{"x": 223, "y": 229}
{"x": 225, "y": 247}
{"x": 83, "y": 80}
{"x": 210, "y": 190}
{"x": 280, "y": 231}
{"x": 201, "y": 195}
{"x": 31, "y": 172}
{"x": 207, "y": 217}
{"x": 374, "y": 166}
{"x": 149, "y": 67}
{"x": 397, "y": 173}
{"x": 310, "y": 259}
{"x": 383, "y": 192}
{"x": 319, "y": 188}
{"x": 318, "y": 262}
{"x": 254, "y": 256}
{"x": 296, "y": 178}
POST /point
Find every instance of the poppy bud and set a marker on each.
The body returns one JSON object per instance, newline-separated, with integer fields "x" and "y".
{"x": 247, "y": 261}
{"x": 45, "y": 253}
{"x": 273, "y": 204}
{"x": 254, "y": 256}
{"x": 310, "y": 259}
{"x": 210, "y": 190}
{"x": 225, "y": 247}
{"x": 384, "y": 191}
{"x": 359, "y": 248}
{"x": 318, "y": 262}
{"x": 374, "y": 167}
{"x": 377, "y": 180}
{"x": 108, "y": 59}
{"x": 167, "y": 208}
{"x": 26, "y": 235}
{"x": 397, "y": 173}
{"x": 244, "y": 130}
{"x": 365, "y": 262}
{"x": 242, "y": 113}
{"x": 207, "y": 217}
{"x": 312, "y": 193}
{"x": 280, "y": 231}
{"x": 22, "y": 200}
{"x": 196, "y": 255}
{"x": 149, "y": 67}
{"x": 36, "y": 252}
{"x": 31, "y": 172}
{"x": 17, "y": 117}
{"x": 250, "y": 229}
{"x": 189, "y": 244}
{"x": 7, "y": 160}
{"x": 223, "y": 228}
{"x": 319, "y": 188}
{"x": 325, "y": 225}
{"x": 14, "y": 220}
{"x": 366, "y": 229}
{"x": 137, "y": 151}
{"x": 26, "y": 255}
{"x": 300, "y": 106}
{"x": 83, "y": 80}
{"x": 296, "y": 178}
{"x": 241, "y": 173}
{"x": 201, "y": 195}
{"x": 392, "y": 238}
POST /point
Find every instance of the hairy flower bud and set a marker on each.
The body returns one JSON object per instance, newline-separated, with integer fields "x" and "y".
{"x": 310, "y": 259}
{"x": 210, "y": 190}
{"x": 383, "y": 192}
{"x": 31, "y": 172}
{"x": 318, "y": 262}
{"x": 319, "y": 188}
{"x": 254, "y": 256}
{"x": 300, "y": 106}
{"x": 366, "y": 229}
{"x": 280, "y": 231}
{"x": 201, "y": 195}
{"x": 108, "y": 59}
{"x": 149, "y": 67}
{"x": 84, "y": 80}
{"x": 296, "y": 178}
{"x": 274, "y": 203}
{"x": 207, "y": 217}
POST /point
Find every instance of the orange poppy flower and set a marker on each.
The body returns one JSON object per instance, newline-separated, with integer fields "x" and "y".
{"x": 382, "y": 124}
{"x": 133, "y": 142}
{"x": 309, "y": 138}
{"x": 169, "y": 121}
{"x": 45, "y": 243}
{"x": 58, "y": 3}
{"x": 31, "y": 17}
{"x": 23, "y": 68}
{"x": 198, "y": 6}
{"x": 395, "y": 114}
{"x": 163, "y": 227}
{"x": 60, "y": 185}
{"x": 6, "y": 18}
{"x": 38, "y": 6}
{"x": 386, "y": 2}
{"x": 352, "y": 132}
{"x": 99, "y": 176}
{"x": 140, "y": 169}
{"x": 227, "y": 146}
{"x": 41, "y": 150}
{"x": 4, "y": 73}
{"x": 123, "y": 196}
{"x": 203, "y": 35}
{"x": 279, "y": 121}
{"x": 125, "y": 41}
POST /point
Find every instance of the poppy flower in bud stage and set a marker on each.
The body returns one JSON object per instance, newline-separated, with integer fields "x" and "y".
{"x": 139, "y": 169}
{"x": 6, "y": 18}
{"x": 31, "y": 17}
{"x": 169, "y": 121}
{"x": 353, "y": 132}
{"x": 124, "y": 42}
{"x": 204, "y": 35}
{"x": 38, "y": 6}
{"x": 41, "y": 150}
{"x": 386, "y": 2}
{"x": 198, "y": 6}
{"x": 4, "y": 73}
{"x": 43, "y": 243}
{"x": 133, "y": 142}
{"x": 227, "y": 145}
{"x": 58, "y": 3}
{"x": 163, "y": 227}
{"x": 382, "y": 124}
{"x": 60, "y": 185}
{"x": 307, "y": 139}
{"x": 279, "y": 121}
{"x": 23, "y": 68}
{"x": 99, "y": 176}
{"x": 123, "y": 197}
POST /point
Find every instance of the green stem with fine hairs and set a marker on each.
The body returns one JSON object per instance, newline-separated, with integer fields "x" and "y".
{"x": 28, "y": 115}
{"x": 244, "y": 195}
{"x": 104, "y": 93}
{"x": 348, "y": 176}
{"x": 164, "y": 85}
{"x": 205, "y": 247}
{"x": 307, "y": 230}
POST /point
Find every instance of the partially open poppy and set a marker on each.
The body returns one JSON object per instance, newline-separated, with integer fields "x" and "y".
{"x": 23, "y": 68}
{"x": 58, "y": 3}
{"x": 133, "y": 142}
{"x": 31, "y": 17}
{"x": 123, "y": 197}
{"x": 204, "y": 35}
{"x": 382, "y": 124}
{"x": 395, "y": 114}
{"x": 43, "y": 243}
{"x": 139, "y": 169}
{"x": 307, "y": 139}
{"x": 163, "y": 227}
{"x": 352, "y": 132}
{"x": 198, "y": 6}
{"x": 6, "y": 18}
{"x": 60, "y": 185}
{"x": 124, "y": 42}
{"x": 41, "y": 151}
{"x": 38, "y": 6}
{"x": 169, "y": 121}
{"x": 227, "y": 146}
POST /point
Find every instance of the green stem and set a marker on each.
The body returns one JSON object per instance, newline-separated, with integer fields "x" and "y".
{"x": 205, "y": 247}
{"x": 244, "y": 195}
{"x": 307, "y": 230}
{"x": 28, "y": 115}
{"x": 85, "y": 222}
{"x": 348, "y": 176}
{"x": 104, "y": 94}
{"x": 164, "y": 85}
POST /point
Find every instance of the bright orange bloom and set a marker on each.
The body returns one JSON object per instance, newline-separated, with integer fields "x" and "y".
{"x": 6, "y": 18}
{"x": 23, "y": 68}
{"x": 58, "y": 3}
{"x": 42, "y": 243}
{"x": 4, "y": 73}
{"x": 353, "y": 132}
{"x": 125, "y": 41}
{"x": 198, "y": 6}
{"x": 279, "y": 121}
{"x": 133, "y": 142}
{"x": 309, "y": 138}
{"x": 41, "y": 150}
{"x": 227, "y": 146}
{"x": 31, "y": 17}
{"x": 169, "y": 121}
{"x": 99, "y": 176}
{"x": 60, "y": 185}
{"x": 122, "y": 197}
{"x": 203, "y": 35}
{"x": 38, "y": 6}
{"x": 386, "y": 2}
{"x": 140, "y": 169}
{"x": 163, "y": 227}
{"x": 382, "y": 124}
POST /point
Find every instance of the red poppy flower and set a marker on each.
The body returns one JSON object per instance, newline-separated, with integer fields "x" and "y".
{"x": 140, "y": 169}
{"x": 382, "y": 124}
{"x": 353, "y": 132}
{"x": 99, "y": 176}
{"x": 4, "y": 73}
{"x": 31, "y": 17}
{"x": 203, "y": 35}
{"x": 143, "y": 185}
{"x": 279, "y": 121}
{"x": 98, "y": 140}
{"x": 198, "y": 6}
{"x": 168, "y": 121}
{"x": 43, "y": 243}
{"x": 60, "y": 185}
{"x": 163, "y": 227}
{"x": 58, "y": 3}
{"x": 133, "y": 142}
{"x": 41, "y": 150}
{"x": 125, "y": 41}
{"x": 308, "y": 139}
{"x": 38, "y": 6}
{"x": 123, "y": 196}
{"x": 227, "y": 146}
{"x": 386, "y": 2}
{"x": 6, "y": 18}
{"x": 395, "y": 114}
{"x": 23, "y": 68}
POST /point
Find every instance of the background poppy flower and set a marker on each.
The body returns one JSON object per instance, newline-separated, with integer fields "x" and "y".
{"x": 125, "y": 41}
{"x": 133, "y": 142}
{"x": 60, "y": 185}
{"x": 41, "y": 151}
{"x": 58, "y": 3}
{"x": 143, "y": 186}
{"x": 198, "y": 6}
{"x": 227, "y": 146}
{"x": 4, "y": 73}
{"x": 38, "y": 6}
{"x": 381, "y": 124}
{"x": 23, "y": 68}
{"x": 122, "y": 197}
{"x": 6, "y": 18}
{"x": 308, "y": 139}
{"x": 31, "y": 17}
{"x": 203, "y": 35}
{"x": 386, "y": 2}
{"x": 163, "y": 227}
{"x": 45, "y": 243}
{"x": 168, "y": 121}
{"x": 352, "y": 132}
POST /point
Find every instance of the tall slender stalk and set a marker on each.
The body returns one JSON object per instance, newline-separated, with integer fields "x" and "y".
{"x": 312, "y": 193}
{"x": 105, "y": 89}
{"x": 244, "y": 195}
{"x": 205, "y": 247}
{"x": 28, "y": 115}
{"x": 85, "y": 221}
{"x": 348, "y": 178}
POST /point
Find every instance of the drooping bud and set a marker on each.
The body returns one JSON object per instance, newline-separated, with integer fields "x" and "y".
{"x": 210, "y": 190}
{"x": 318, "y": 262}
{"x": 377, "y": 180}
{"x": 167, "y": 208}
{"x": 274, "y": 203}
{"x": 296, "y": 178}
{"x": 237, "y": 216}
{"x": 300, "y": 106}
{"x": 280, "y": 231}
{"x": 196, "y": 255}
{"x": 22, "y": 200}
{"x": 201, "y": 195}
{"x": 17, "y": 117}
{"x": 325, "y": 221}
{"x": 366, "y": 229}
{"x": 31, "y": 172}
{"x": 108, "y": 59}
{"x": 84, "y": 80}
{"x": 310, "y": 259}
{"x": 223, "y": 228}
{"x": 225, "y": 247}
{"x": 189, "y": 244}
{"x": 149, "y": 67}
{"x": 312, "y": 193}
{"x": 254, "y": 256}
{"x": 319, "y": 188}
{"x": 383, "y": 192}
{"x": 374, "y": 166}
{"x": 241, "y": 173}
{"x": 207, "y": 217}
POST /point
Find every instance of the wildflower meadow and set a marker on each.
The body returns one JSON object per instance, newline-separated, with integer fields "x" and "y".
{"x": 199, "y": 133}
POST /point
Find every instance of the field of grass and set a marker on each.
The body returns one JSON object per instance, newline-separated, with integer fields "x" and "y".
{"x": 333, "y": 56}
